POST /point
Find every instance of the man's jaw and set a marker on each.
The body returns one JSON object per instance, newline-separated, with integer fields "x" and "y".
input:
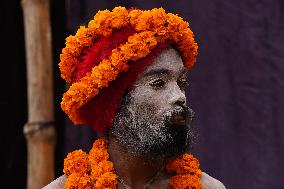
{"x": 168, "y": 138}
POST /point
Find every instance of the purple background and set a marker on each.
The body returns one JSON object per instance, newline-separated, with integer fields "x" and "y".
{"x": 236, "y": 87}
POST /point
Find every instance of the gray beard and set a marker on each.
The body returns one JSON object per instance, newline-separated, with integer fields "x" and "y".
{"x": 143, "y": 134}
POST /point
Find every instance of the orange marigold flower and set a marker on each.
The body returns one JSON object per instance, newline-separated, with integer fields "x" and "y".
{"x": 107, "y": 180}
{"x": 119, "y": 17}
{"x": 133, "y": 16}
{"x": 101, "y": 19}
{"x": 183, "y": 165}
{"x": 78, "y": 181}
{"x": 76, "y": 162}
{"x": 185, "y": 182}
{"x": 101, "y": 168}
{"x": 144, "y": 21}
{"x": 100, "y": 143}
{"x": 158, "y": 17}
{"x": 98, "y": 152}
{"x": 73, "y": 46}
{"x": 97, "y": 155}
{"x": 119, "y": 57}
{"x": 84, "y": 36}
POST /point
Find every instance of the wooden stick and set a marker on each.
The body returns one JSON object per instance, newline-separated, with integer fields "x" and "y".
{"x": 39, "y": 130}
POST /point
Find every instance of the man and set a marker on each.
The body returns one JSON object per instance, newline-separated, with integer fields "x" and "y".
{"x": 142, "y": 114}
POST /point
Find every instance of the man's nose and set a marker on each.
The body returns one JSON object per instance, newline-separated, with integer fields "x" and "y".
{"x": 177, "y": 96}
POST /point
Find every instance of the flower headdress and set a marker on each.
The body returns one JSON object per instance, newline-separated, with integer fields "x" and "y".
{"x": 143, "y": 32}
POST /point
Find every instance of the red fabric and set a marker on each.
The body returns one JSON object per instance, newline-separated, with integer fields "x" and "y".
{"x": 101, "y": 49}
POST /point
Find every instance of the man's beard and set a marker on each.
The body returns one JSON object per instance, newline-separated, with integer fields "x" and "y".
{"x": 145, "y": 134}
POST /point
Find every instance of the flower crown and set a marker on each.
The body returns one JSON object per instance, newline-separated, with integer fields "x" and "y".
{"x": 152, "y": 27}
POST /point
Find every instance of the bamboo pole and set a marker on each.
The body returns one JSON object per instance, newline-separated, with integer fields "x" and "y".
{"x": 39, "y": 130}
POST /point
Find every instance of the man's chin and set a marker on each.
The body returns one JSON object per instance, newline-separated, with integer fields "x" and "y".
{"x": 165, "y": 155}
{"x": 171, "y": 150}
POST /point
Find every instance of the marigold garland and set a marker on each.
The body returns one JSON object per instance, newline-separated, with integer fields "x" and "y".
{"x": 76, "y": 162}
{"x": 100, "y": 173}
{"x": 78, "y": 181}
{"x": 186, "y": 181}
{"x": 152, "y": 27}
{"x": 187, "y": 168}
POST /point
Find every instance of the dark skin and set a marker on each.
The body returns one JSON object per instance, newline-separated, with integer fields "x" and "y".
{"x": 136, "y": 171}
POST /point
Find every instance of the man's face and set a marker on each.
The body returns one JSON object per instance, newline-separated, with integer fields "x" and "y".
{"x": 153, "y": 119}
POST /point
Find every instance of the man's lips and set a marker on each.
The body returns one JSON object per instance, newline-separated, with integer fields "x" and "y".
{"x": 178, "y": 117}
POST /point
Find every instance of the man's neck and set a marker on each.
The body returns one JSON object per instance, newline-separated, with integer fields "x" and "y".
{"x": 133, "y": 170}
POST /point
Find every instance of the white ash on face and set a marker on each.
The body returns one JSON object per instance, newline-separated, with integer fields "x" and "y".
{"x": 153, "y": 120}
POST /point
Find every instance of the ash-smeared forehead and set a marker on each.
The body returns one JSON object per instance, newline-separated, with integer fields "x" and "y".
{"x": 168, "y": 62}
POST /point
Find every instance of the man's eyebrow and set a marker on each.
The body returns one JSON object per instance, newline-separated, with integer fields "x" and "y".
{"x": 157, "y": 71}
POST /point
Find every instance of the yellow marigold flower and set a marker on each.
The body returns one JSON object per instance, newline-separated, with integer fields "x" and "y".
{"x": 76, "y": 162}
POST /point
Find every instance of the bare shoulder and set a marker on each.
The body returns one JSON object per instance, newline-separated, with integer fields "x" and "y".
{"x": 209, "y": 182}
{"x": 57, "y": 183}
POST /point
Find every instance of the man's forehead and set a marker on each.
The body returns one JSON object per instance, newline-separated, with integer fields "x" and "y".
{"x": 168, "y": 61}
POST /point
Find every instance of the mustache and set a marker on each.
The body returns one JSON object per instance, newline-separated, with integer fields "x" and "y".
{"x": 179, "y": 114}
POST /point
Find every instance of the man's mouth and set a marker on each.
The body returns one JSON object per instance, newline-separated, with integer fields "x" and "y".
{"x": 180, "y": 116}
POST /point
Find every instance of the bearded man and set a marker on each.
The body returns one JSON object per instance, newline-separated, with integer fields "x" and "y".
{"x": 128, "y": 74}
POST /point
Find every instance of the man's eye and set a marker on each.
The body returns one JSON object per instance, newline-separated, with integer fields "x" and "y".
{"x": 157, "y": 83}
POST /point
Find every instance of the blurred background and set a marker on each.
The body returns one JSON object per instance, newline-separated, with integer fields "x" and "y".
{"x": 236, "y": 87}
